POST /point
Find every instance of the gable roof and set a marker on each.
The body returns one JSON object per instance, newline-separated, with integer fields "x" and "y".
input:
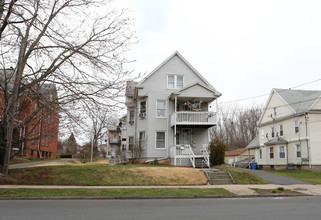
{"x": 235, "y": 152}
{"x": 216, "y": 93}
{"x": 185, "y": 61}
{"x": 299, "y": 100}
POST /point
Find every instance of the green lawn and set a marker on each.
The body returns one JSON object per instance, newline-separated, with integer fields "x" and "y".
{"x": 241, "y": 176}
{"x": 111, "y": 192}
{"x": 101, "y": 174}
{"x": 304, "y": 175}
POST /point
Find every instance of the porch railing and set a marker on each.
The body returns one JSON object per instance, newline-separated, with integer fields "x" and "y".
{"x": 194, "y": 118}
{"x": 186, "y": 151}
{"x": 206, "y": 155}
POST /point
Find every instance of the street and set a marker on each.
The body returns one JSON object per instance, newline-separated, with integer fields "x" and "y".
{"x": 248, "y": 208}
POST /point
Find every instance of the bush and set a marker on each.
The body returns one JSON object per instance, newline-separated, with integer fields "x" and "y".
{"x": 217, "y": 152}
{"x": 65, "y": 155}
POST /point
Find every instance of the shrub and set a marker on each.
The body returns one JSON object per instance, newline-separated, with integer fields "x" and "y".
{"x": 65, "y": 155}
{"x": 217, "y": 151}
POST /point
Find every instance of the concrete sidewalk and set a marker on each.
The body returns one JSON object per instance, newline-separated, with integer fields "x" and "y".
{"x": 235, "y": 188}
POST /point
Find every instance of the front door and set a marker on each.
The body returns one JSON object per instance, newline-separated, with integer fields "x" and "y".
{"x": 187, "y": 136}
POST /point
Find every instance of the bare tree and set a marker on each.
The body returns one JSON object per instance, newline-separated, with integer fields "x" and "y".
{"x": 77, "y": 45}
{"x": 236, "y": 126}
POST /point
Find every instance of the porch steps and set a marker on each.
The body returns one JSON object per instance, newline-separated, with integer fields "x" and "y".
{"x": 218, "y": 177}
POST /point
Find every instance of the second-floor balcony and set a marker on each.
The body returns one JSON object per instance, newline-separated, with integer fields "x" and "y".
{"x": 207, "y": 119}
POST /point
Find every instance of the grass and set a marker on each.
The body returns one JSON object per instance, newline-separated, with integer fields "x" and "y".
{"x": 304, "y": 175}
{"x": 111, "y": 192}
{"x": 279, "y": 190}
{"x": 105, "y": 175}
{"x": 241, "y": 176}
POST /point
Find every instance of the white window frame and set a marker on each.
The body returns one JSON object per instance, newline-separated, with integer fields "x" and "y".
{"x": 272, "y": 132}
{"x": 156, "y": 148}
{"x": 281, "y": 130}
{"x": 296, "y": 125}
{"x": 271, "y": 158}
{"x": 140, "y": 106}
{"x": 296, "y": 151}
{"x": 175, "y": 81}
{"x": 275, "y": 111}
{"x": 165, "y": 108}
{"x": 260, "y": 154}
{"x": 282, "y": 152}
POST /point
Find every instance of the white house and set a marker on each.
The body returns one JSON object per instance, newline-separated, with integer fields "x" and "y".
{"x": 169, "y": 114}
{"x": 289, "y": 130}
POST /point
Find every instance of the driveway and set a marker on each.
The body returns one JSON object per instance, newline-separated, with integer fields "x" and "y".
{"x": 30, "y": 164}
{"x": 276, "y": 179}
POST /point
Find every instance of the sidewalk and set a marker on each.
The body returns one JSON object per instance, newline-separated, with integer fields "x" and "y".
{"x": 234, "y": 188}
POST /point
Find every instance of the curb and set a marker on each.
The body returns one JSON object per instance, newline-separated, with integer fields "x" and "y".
{"x": 154, "y": 197}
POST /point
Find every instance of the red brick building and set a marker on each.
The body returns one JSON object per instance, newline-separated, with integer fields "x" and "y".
{"x": 36, "y": 129}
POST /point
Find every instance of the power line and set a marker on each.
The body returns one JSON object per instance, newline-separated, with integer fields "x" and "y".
{"x": 254, "y": 97}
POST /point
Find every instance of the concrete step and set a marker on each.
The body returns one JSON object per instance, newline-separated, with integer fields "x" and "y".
{"x": 217, "y": 177}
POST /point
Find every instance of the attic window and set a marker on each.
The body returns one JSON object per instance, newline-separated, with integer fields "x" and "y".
{"x": 175, "y": 82}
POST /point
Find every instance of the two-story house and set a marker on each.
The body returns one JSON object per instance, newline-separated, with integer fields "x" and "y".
{"x": 169, "y": 113}
{"x": 289, "y": 130}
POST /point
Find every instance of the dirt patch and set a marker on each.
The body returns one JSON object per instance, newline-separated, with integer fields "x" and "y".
{"x": 186, "y": 176}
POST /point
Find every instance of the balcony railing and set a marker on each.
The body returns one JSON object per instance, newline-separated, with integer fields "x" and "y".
{"x": 193, "y": 118}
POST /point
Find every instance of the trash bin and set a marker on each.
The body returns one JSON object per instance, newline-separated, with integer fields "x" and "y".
{"x": 253, "y": 165}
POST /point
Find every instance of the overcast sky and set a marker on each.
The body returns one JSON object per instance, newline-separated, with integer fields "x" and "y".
{"x": 243, "y": 48}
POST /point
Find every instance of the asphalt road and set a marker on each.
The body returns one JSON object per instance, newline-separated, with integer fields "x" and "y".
{"x": 297, "y": 208}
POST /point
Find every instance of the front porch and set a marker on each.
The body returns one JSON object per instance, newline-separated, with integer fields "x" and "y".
{"x": 185, "y": 155}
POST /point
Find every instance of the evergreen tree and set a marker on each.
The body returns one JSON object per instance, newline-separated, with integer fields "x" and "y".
{"x": 217, "y": 151}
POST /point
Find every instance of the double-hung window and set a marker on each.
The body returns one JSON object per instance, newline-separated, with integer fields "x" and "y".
{"x": 272, "y": 131}
{"x": 281, "y": 152}
{"x": 160, "y": 140}
{"x": 298, "y": 151}
{"x": 175, "y": 82}
{"x": 161, "y": 108}
{"x": 281, "y": 130}
{"x": 271, "y": 152}
{"x": 296, "y": 126}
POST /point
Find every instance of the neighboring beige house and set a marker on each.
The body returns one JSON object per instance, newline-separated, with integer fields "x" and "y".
{"x": 236, "y": 155}
{"x": 169, "y": 114}
{"x": 289, "y": 130}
